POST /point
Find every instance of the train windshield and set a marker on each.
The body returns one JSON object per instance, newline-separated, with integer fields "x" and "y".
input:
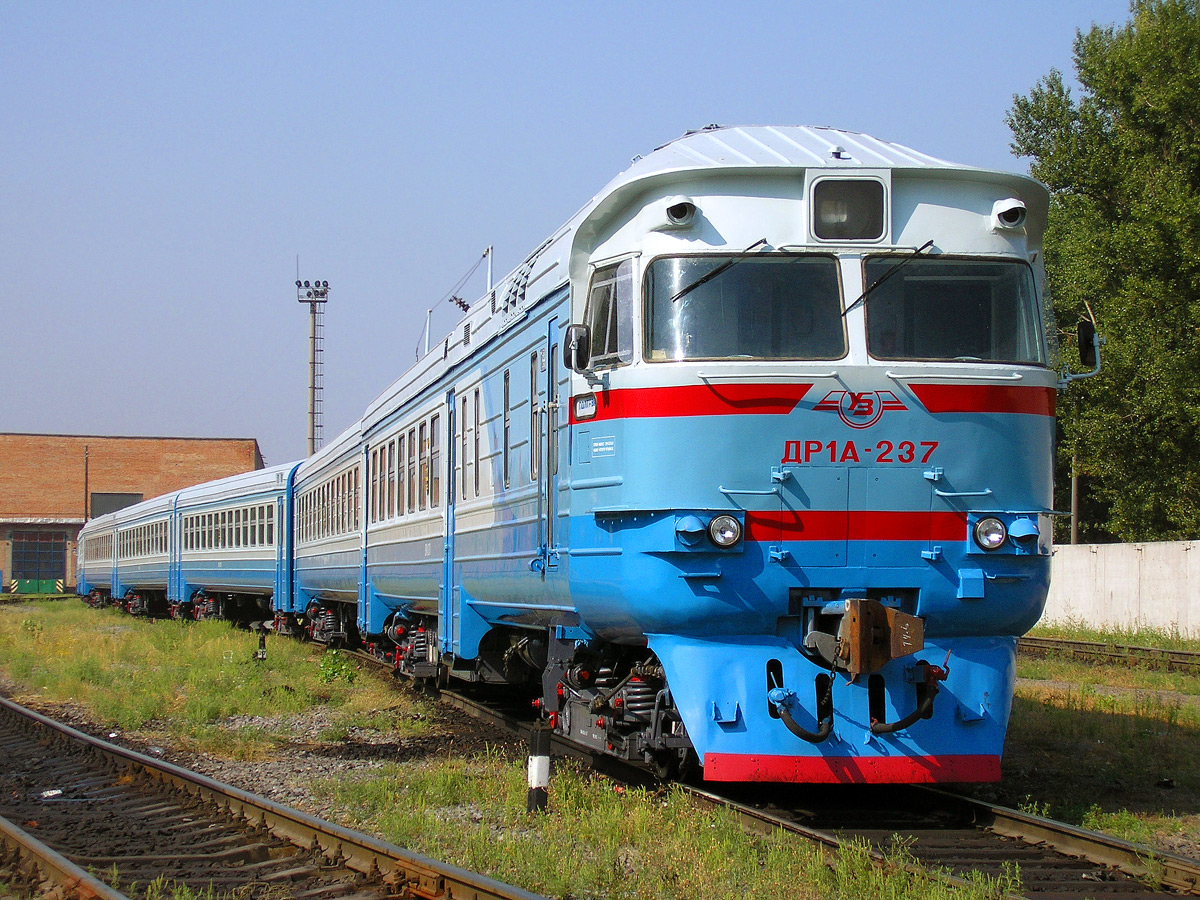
{"x": 954, "y": 309}
{"x": 762, "y": 307}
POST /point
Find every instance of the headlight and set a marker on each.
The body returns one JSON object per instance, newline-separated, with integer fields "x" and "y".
{"x": 990, "y": 533}
{"x": 725, "y": 531}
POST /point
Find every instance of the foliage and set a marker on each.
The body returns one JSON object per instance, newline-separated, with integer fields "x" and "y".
{"x": 1122, "y": 162}
{"x": 335, "y": 665}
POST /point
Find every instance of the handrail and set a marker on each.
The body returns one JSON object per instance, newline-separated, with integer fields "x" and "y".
{"x": 766, "y": 377}
{"x": 952, "y": 376}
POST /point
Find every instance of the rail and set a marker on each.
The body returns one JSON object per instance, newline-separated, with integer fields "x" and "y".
{"x": 1147, "y": 657}
{"x": 420, "y": 876}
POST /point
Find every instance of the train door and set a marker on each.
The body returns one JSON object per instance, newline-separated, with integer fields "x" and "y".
{"x": 446, "y": 623}
{"x": 544, "y": 431}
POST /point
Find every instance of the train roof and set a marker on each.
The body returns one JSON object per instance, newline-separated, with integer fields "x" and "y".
{"x": 257, "y": 481}
{"x": 708, "y": 150}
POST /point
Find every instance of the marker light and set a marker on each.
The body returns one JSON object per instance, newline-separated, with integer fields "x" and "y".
{"x": 990, "y": 533}
{"x": 725, "y": 531}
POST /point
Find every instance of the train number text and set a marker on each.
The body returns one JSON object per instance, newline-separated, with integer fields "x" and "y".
{"x": 800, "y": 452}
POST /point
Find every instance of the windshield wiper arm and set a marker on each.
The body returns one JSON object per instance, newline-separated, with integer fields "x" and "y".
{"x": 888, "y": 274}
{"x": 705, "y": 279}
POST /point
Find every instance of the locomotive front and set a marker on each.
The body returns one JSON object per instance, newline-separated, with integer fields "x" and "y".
{"x": 811, "y": 430}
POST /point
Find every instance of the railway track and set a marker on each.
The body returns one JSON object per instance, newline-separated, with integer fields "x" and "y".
{"x": 936, "y": 830}
{"x": 74, "y": 805}
{"x": 1113, "y": 654}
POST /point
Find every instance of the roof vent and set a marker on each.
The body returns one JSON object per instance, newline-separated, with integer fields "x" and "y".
{"x": 466, "y": 334}
{"x": 839, "y": 153}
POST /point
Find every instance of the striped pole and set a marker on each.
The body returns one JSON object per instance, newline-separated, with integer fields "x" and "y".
{"x": 539, "y": 768}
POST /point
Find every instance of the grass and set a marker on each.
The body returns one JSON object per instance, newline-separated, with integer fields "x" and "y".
{"x": 196, "y": 683}
{"x": 603, "y": 840}
{"x": 1116, "y": 761}
{"x": 1083, "y": 674}
{"x": 1162, "y": 638}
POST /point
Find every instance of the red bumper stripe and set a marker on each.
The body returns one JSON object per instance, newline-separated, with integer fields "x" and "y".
{"x": 855, "y": 525}
{"x": 986, "y": 398}
{"x": 851, "y": 770}
{"x": 697, "y": 400}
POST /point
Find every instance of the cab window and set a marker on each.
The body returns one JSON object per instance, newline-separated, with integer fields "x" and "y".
{"x": 610, "y": 315}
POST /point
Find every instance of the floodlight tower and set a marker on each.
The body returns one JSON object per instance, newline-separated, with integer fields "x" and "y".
{"x": 316, "y": 295}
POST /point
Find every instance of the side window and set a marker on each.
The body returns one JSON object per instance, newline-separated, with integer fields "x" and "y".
{"x": 610, "y": 314}
{"x": 475, "y": 438}
{"x": 423, "y": 497}
{"x": 535, "y": 420}
{"x": 507, "y": 423}
{"x": 412, "y": 470}
{"x": 435, "y": 456}
{"x": 462, "y": 427}
{"x": 374, "y": 485}
{"x": 391, "y": 480}
{"x": 400, "y": 478}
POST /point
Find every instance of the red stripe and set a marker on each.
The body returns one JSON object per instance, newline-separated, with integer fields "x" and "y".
{"x": 851, "y": 769}
{"x": 986, "y": 398}
{"x": 697, "y": 400}
{"x": 855, "y": 525}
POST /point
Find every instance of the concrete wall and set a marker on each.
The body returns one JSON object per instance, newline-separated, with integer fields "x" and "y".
{"x": 1151, "y": 585}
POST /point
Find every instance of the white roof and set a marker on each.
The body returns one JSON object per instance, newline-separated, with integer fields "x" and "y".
{"x": 777, "y": 146}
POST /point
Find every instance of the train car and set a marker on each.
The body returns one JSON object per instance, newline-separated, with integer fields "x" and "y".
{"x": 749, "y": 464}
{"x": 327, "y": 531}
{"x": 95, "y": 552}
{"x": 747, "y": 467}
{"x": 218, "y": 550}
{"x": 231, "y": 554}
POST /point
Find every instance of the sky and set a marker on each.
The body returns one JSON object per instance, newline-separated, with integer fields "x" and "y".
{"x": 163, "y": 166}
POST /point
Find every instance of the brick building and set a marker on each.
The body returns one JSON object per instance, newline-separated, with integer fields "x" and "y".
{"x": 50, "y": 484}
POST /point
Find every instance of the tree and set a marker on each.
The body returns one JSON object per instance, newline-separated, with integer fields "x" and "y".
{"x": 1123, "y": 167}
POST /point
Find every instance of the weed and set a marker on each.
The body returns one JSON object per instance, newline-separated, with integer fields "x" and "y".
{"x": 1032, "y": 807}
{"x": 335, "y": 665}
{"x": 33, "y": 629}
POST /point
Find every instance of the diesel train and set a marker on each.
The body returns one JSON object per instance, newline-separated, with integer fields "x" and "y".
{"x": 747, "y": 465}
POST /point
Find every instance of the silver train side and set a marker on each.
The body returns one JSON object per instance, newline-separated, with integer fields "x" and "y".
{"x": 749, "y": 466}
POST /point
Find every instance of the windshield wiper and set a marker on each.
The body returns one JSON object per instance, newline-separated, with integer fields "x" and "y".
{"x": 705, "y": 279}
{"x": 888, "y": 274}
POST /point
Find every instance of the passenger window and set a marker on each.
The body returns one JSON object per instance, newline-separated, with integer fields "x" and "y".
{"x": 424, "y": 492}
{"x": 535, "y": 420}
{"x": 435, "y": 456}
{"x": 400, "y": 478}
{"x": 391, "y": 480}
{"x": 462, "y": 427}
{"x": 507, "y": 421}
{"x": 610, "y": 315}
{"x": 475, "y": 437}
{"x": 412, "y": 470}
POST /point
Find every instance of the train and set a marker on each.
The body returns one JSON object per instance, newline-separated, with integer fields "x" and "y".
{"x": 747, "y": 469}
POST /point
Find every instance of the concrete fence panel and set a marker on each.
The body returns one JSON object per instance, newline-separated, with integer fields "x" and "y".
{"x": 1128, "y": 586}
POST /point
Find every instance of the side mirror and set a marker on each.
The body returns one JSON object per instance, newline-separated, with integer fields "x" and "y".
{"x": 1087, "y": 343}
{"x": 577, "y": 348}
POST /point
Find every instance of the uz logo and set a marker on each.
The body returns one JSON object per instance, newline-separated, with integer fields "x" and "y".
{"x": 861, "y": 404}
{"x": 860, "y": 409}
